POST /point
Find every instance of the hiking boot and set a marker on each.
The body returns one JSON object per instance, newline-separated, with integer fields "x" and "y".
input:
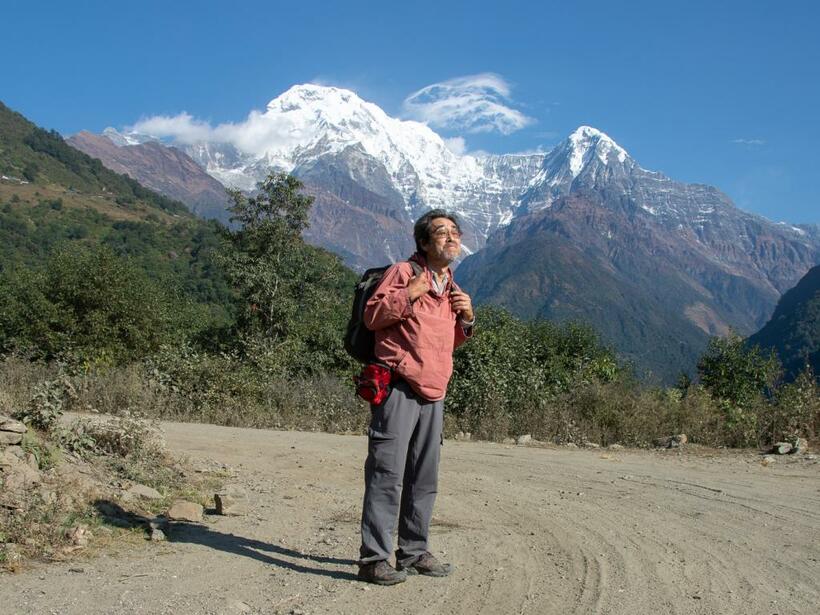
{"x": 381, "y": 573}
{"x": 427, "y": 565}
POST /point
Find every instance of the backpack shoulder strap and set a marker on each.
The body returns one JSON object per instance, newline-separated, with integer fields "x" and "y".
{"x": 416, "y": 267}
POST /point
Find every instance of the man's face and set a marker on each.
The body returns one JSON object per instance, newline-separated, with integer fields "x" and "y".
{"x": 444, "y": 245}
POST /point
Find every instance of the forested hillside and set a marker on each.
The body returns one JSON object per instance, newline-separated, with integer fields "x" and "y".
{"x": 794, "y": 328}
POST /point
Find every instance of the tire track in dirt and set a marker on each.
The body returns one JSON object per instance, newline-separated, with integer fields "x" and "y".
{"x": 530, "y": 530}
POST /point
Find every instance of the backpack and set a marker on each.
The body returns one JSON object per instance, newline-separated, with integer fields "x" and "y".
{"x": 360, "y": 341}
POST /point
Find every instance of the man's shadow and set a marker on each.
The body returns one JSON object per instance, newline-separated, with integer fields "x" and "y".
{"x": 113, "y": 514}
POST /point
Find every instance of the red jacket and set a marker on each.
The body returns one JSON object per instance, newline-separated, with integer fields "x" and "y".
{"x": 415, "y": 339}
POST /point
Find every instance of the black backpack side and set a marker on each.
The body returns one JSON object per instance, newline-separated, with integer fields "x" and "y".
{"x": 360, "y": 341}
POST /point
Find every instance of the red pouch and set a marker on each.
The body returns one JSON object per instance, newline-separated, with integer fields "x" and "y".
{"x": 373, "y": 383}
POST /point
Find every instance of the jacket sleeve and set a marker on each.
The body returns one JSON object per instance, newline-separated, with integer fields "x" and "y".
{"x": 462, "y": 333}
{"x": 390, "y": 302}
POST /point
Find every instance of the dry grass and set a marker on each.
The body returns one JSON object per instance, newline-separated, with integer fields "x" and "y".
{"x": 91, "y": 461}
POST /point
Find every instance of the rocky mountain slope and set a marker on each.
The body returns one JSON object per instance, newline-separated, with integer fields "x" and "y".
{"x": 404, "y": 163}
{"x": 794, "y": 328}
{"x": 166, "y": 170}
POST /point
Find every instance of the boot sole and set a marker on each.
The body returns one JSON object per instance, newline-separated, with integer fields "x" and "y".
{"x": 383, "y": 582}
{"x": 411, "y": 570}
{"x": 399, "y": 578}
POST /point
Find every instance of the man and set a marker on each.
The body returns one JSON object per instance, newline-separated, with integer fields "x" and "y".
{"x": 418, "y": 321}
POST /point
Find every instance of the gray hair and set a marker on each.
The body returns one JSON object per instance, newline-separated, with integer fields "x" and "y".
{"x": 422, "y": 227}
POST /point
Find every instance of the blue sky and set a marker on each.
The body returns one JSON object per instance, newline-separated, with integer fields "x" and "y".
{"x": 722, "y": 93}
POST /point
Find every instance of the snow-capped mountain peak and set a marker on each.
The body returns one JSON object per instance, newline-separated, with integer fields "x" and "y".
{"x": 314, "y": 120}
{"x": 310, "y": 126}
{"x": 586, "y": 142}
{"x": 587, "y": 156}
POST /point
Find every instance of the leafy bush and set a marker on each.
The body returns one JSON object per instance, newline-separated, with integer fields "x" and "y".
{"x": 741, "y": 380}
{"x": 76, "y": 439}
{"x": 795, "y": 411}
{"x": 507, "y": 376}
{"x": 89, "y": 302}
{"x": 45, "y": 407}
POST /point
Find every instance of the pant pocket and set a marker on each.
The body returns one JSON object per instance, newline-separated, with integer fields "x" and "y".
{"x": 381, "y": 448}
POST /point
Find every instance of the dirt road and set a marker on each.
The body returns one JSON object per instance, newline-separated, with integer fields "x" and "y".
{"x": 530, "y": 530}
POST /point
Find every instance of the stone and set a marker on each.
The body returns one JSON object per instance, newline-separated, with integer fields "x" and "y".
{"x": 463, "y": 436}
{"x": 231, "y": 501}
{"x": 10, "y": 437}
{"x": 81, "y": 483}
{"x": 571, "y": 445}
{"x": 9, "y": 424}
{"x": 31, "y": 460}
{"x": 155, "y": 534}
{"x": 525, "y": 439}
{"x": 781, "y": 448}
{"x": 508, "y": 441}
{"x": 672, "y": 441}
{"x": 591, "y": 445}
{"x": 767, "y": 460}
{"x": 144, "y": 491}
{"x": 615, "y": 447}
{"x": 159, "y": 523}
{"x": 17, "y": 451}
{"x": 798, "y": 445}
{"x": 182, "y": 510}
{"x": 21, "y": 478}
{"x": 8, "y": 459}
{"x": 78, "y": 535}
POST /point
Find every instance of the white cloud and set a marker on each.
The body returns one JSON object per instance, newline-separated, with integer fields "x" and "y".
{"x": 253, "y": 135}
{"x": 457, "y": 145}
{"x": 751, "y": 142}
{"x": 182, "y": 127}
{"x": 534, "y": 150}
{"x": 475, "y": 103}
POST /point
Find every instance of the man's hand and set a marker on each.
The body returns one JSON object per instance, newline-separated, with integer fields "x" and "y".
{"x": 418, "y": 286}
{"x": 462, "y": 305}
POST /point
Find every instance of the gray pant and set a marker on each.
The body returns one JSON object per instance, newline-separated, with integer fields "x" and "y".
{"x": 400, "y": 475}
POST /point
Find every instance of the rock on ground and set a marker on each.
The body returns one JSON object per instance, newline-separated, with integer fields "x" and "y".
{"x": 143, "y": 491}
{"x": 182, "y": 510}
{"x": 232, "y": 500}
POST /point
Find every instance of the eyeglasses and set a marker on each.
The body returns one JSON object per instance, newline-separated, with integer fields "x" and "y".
{"x": 443, "y": 232}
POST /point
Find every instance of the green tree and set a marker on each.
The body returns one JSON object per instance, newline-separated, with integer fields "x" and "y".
{"x": 266, "y": 254}
{"x": 732, "y": 371}
{"x": 294, "y": 298}
{"x": 741, "y": 379}
{"x": 30, "y": 171}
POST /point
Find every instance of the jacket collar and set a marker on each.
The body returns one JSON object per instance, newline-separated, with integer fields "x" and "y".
{"x": 421, "y": 259}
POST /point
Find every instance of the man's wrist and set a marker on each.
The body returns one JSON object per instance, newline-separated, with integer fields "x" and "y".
{"x": 466, "y": 323}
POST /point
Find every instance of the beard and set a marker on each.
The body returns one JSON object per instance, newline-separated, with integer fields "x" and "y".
{"x": 447, "y": 253}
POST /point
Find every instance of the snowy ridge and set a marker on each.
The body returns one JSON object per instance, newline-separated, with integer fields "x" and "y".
{"x": 586, "y": 142}
{"x": 310, "y": 122}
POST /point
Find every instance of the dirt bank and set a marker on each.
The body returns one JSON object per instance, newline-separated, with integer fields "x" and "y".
{"x": 530, "y": 530}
